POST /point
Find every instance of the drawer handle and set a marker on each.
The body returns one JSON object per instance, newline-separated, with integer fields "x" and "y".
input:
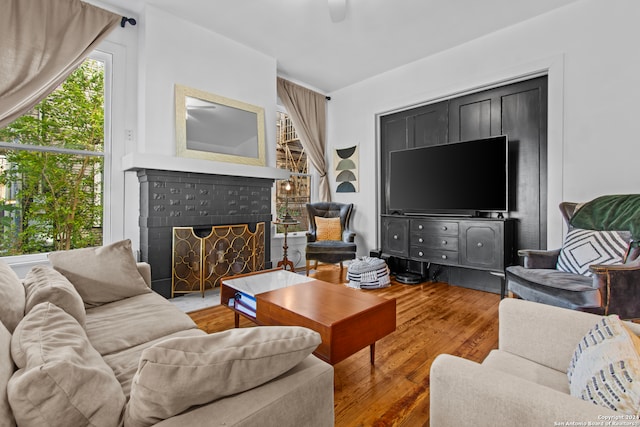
{"x": 420, "y": 240}
{"x": 444, "y": 257}
{"x": 444, "y": 228}
{"x": 479, "y": 244}
{"x": 444, "y": 242}
{"x": 420, "y": 227}
{"x": 395, "y": 237}
{"x": 421, "y": 253}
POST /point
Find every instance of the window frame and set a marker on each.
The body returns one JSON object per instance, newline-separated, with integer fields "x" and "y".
{"x": 106, "y": 57}
{"x": 310, "y": 174}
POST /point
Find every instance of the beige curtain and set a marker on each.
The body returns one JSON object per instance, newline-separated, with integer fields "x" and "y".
{"x": 41, "y": 43}
{"x": 307, "y": 111}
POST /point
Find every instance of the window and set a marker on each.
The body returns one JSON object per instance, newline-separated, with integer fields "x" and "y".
{"x": 52, "y": 169}
{"x": 290, "y": 155}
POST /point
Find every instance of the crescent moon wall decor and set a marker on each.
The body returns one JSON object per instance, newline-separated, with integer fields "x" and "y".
{"x": 346, "y": 163}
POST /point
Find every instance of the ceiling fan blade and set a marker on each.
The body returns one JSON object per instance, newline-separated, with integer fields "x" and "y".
{"x": 337, "y": 9}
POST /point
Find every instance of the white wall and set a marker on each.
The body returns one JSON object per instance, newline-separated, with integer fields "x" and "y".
{"x": 175, "y": 51}
{"x": 588, "y": 49}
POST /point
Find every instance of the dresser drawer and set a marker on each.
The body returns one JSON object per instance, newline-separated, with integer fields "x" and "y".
{"x": 430, "y": 241}
{"x": 441, "y": 228}
{"x": 434, "y": 255}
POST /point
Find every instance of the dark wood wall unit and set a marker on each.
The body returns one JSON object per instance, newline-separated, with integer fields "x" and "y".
{"x": 518, "y": 110}
{"x": 418, "y": 127}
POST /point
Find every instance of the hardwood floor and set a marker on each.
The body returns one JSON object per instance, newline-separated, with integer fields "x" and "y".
{"x": 431, "y": 318}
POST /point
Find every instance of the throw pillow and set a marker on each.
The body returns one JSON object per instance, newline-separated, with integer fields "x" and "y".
{"x": 178, "y": 373}
{"x": 328, "y": 228}
{"x": 12, "y": 296}
{"x": 6, "y": 371}
{"x": 103, "y": 274}
{"x": 605, "y": 368}
{"x": 582, "y": 248}
{"x": 61, "y": 379}
{"x": 44, "y": 284}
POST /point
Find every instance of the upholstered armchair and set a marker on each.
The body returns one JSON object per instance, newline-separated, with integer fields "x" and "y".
{"x": 329, "y": 239}
{"x": 602, "y": 287}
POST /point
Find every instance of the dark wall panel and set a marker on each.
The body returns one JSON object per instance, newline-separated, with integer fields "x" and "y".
{"x": 518, "y": 110}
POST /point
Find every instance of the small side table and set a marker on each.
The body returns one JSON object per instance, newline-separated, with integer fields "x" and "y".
{"x": 285, "y": 260}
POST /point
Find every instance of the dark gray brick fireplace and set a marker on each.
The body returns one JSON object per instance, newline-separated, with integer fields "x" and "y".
{"x": 184, "y": 199}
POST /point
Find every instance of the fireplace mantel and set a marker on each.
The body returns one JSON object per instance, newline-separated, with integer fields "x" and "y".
{"x": 171, "y": 198}
{"x": 140, "y": 161}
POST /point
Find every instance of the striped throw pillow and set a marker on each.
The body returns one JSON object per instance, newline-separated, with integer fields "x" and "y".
{"x": 605, "y": 368}
{"x": 583, "y": 248}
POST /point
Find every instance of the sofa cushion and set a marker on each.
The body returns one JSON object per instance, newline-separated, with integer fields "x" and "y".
{"x": 12, "y": 296}
{"x": 182, "y": 372}
{"x": 7, "y": 368}
{"x": 526, "y": 369}
{"x": 44, "y": 284}
{"x": 605, "y": 368}
{"x": 102, "y": 274}
{"x": 302, "y": 396}
{"x": 328, "y": 228}
{"x": 583, "y": 248}
{"x": 61, "y": 380}
{"x": 553, "y": 287}
{"x": 133, "y": 321}
{"x": 125, "y": 363}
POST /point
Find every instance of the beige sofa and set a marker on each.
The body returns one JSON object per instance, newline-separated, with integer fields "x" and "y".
{"x": 524, "y": 382}
{"x": 86, "y": 342}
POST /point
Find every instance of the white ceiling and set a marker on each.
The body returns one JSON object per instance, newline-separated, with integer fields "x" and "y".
{"x": 376, "y": 35}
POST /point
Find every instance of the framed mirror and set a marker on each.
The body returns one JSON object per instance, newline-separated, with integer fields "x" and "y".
{"x": 212, "y": 127}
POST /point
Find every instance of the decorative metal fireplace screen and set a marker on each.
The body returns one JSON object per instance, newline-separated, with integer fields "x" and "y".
{"x": 200, "y": 261}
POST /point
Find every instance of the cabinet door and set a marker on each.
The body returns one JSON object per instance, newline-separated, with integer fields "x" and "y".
{"x": 417, "y": 127}
{"x": 518, "y": 110}
{"x": 482, "y": 245}
{"x": 395, "y": 236}
{"x": 428, "y": 125}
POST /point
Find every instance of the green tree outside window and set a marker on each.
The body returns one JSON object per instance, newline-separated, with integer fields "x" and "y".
{"x": 51, "y": 191}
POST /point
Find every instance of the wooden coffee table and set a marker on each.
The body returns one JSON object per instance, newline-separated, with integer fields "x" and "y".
{"x": 347, "y": 320}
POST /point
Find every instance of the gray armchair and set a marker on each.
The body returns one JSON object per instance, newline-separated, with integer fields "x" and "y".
{"x": 611, "y": 289}
{"x": 330, "y": 251}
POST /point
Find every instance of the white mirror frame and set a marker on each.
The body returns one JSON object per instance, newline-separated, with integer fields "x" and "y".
{"x": 181, "y": 94}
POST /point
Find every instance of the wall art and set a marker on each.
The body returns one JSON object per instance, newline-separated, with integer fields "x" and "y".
{"x": 346, "y": 163}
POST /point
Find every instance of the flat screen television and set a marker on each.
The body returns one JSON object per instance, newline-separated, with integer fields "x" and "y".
{"x": 461, "y": 178}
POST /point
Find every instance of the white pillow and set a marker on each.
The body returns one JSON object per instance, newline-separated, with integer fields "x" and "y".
{"x": 605, "y": 368}
{"x": 583, "y": 248}
{"x": 12, "y": 295}
{"x": 178, "y": 373}
{"x": 103, "y": 274}
{"x": 44, "y": 284}
{"x": 6, "y": 371}
{"x": 62, "y": 380}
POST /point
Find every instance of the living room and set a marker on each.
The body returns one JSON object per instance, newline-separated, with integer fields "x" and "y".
{"x": 585, "y": 48}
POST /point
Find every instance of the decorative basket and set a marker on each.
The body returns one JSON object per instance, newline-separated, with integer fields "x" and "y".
{"x": 368, "y": 273}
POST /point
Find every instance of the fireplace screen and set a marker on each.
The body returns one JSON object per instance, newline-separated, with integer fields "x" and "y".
{"x": 201, "y": 258}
